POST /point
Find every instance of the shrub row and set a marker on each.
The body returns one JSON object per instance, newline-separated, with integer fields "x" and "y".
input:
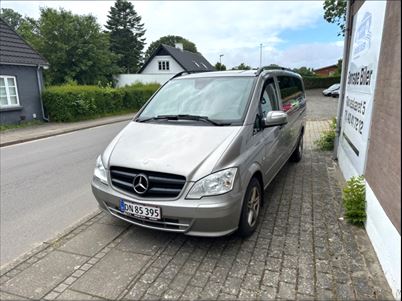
{"x": 315, "y": 82}
{"x": 74, "y": 102}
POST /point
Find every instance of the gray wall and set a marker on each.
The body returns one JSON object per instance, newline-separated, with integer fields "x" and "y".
{"x": 383, "y": 171}
{"x": 28, "y": 93}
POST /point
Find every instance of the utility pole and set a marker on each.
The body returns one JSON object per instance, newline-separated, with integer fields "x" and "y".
{"x": 260, "y": 55}
{"x": 220, "y": 59}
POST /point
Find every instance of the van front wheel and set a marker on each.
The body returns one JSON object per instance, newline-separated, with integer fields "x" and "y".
{"x": 251, "y": 208}
{"x": 298, "y": 152}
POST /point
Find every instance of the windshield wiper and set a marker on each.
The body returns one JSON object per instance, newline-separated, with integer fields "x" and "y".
{"x": 167, "y": 117}
{"x": 184, "y": 117}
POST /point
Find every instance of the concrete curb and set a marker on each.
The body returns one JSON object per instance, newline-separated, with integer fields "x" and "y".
{"x": 56, "y": 133}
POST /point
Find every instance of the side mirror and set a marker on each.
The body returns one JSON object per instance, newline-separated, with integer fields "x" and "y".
{"x": 275, "y": 118}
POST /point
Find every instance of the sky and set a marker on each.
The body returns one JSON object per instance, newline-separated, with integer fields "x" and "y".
{"x": 292, "y": 33}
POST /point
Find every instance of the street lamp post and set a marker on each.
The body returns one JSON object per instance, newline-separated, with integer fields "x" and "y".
{"x": 260, "y": 55}
{"x": 220, "y": 59}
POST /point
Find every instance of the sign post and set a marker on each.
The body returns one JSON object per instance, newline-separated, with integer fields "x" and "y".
{"x": 360, "y": 83}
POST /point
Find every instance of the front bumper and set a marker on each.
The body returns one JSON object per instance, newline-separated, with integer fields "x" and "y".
{"x": 210, "y": 216}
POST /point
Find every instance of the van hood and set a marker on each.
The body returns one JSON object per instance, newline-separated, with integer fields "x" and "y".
{"x": 187, "y": 150}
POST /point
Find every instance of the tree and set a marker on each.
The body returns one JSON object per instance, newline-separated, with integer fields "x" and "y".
{"x": 220, "y": 67}
{"x": 75, "y": 47}
{"x": 11, "y": 17}
{"x": 126, "y": 35}
{"x": 304, "y": 71}
{"x": 242, "y": 66}
{"x": 170, "y": 41}
{"x": 335, "y": 12}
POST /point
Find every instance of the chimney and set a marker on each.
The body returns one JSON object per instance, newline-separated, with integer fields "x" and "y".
{"x": 179, "y": 46}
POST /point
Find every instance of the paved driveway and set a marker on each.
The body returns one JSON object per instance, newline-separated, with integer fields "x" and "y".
{"x": 301, "y": 250}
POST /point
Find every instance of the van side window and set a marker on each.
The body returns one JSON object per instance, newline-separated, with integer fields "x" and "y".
{"x": 268, "y": 102}
{"x": 291, "y": 91}
{"x": 269, "y": 99}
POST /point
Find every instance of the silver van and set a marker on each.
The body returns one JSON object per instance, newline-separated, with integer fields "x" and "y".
{"x": 198, "y": 156}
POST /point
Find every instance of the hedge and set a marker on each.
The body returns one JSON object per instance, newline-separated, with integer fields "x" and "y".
{"x": 74, "y": 102}
{"x": 315, "y": 82}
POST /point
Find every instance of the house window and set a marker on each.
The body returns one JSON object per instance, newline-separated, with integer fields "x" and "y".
{"x": 195, "y": 63}
{"x": 8, "y": 91}
{"x": 163, "y": 65}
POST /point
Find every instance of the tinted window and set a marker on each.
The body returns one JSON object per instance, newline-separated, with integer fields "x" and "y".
{"x": 291, "y": 90}
{"x": 269, "y": 100}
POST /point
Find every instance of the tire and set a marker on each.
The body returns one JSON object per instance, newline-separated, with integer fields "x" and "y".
{"x": 298, "y": 152}
{"x": 249, "y": 217}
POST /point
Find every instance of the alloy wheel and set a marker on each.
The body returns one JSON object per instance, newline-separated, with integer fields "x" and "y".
{"x": 253, "y": 207}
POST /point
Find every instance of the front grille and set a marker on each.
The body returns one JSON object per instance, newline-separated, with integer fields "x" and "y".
{"x": 161, "y": 185}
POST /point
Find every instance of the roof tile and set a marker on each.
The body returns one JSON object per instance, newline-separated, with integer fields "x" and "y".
{"x": 14, "y": 50}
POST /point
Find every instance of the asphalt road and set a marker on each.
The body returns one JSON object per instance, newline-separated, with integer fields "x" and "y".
{"x": 45, "y": 187}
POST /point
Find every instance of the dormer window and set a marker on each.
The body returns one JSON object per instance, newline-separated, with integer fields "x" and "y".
{"x": 163, "y": 65}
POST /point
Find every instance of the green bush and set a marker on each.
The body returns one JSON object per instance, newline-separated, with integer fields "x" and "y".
{"x": 136, "y": 95}
{"x": 354, "y": 201}
{"x": 316, "y": 82}
{"x": 327, "y": 138}
{"x": 75, "y": 102}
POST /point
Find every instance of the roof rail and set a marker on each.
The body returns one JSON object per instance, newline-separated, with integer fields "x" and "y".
{"x": 188, "y": 72}
{"x": 271, "y": 68}
{"x": 179, "y": 74}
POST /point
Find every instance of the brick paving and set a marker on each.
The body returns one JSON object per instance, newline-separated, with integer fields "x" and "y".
{"x": 302, "y": 249}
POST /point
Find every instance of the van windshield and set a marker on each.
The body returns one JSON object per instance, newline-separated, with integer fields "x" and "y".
{"x": 217, "y": 98}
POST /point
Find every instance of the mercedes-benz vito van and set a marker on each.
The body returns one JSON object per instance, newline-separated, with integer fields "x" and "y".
{"x": 198, "y": 156}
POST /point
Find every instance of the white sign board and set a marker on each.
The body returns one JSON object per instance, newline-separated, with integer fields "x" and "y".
{"x": 360, "y": 83}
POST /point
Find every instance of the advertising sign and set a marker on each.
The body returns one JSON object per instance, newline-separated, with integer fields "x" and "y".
{"x": 360, "y": 83}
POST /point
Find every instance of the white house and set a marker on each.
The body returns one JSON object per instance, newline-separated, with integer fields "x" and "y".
{"x": 164, "y": 63}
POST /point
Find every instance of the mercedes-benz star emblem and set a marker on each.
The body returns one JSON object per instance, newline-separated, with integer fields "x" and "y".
{"x": 140, "y": 183}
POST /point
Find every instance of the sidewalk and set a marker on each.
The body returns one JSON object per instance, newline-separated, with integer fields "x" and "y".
{"x": 19, "y": 135}
{"x": 300, "y": 250}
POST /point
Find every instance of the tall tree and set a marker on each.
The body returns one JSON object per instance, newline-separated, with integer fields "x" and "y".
{"x": 170, "y": 40}
{"x": 75, "y": 47}
{"x": 335, "y": 12}
{"x": 220, "y": 67}
{"x": 126, "y": 35}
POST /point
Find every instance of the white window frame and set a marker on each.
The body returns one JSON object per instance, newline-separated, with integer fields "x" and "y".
{"x": 163, "y": 65}
{"x": 9, "y": 105}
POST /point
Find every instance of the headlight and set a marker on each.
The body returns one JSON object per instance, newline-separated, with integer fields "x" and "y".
{"x": 217, "y": 183}
{"x": 100, "y": 171}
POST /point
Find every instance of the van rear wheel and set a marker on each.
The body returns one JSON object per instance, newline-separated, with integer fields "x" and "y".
{"x": 251, "y": 208}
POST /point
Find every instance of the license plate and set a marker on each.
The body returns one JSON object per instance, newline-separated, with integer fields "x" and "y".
{"x": 140, "y": 210}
